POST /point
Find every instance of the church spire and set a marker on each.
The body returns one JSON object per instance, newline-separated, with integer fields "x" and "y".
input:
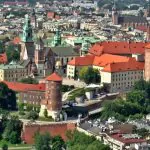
{"x": 57, "y": 37}
{"x": 114, "y": 8}
{"x": 27, "y": 30}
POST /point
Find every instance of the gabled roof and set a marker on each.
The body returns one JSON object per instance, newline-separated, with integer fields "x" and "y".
{"x": 82, "y": 61}
{"x": 105, "y": 59}
{"x": 54, "y": 77}
{"x": 20, "y": 87}
{"x": 131, "y": 65}
{"x": 101, "y": 61}
{"x": 118, "y": 48}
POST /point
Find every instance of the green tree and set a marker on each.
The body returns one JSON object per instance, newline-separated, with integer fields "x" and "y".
{"x": 4, "y": 146}
{"x": 57, "y": 143}
{"x": 140, "y": 85}
{"x": 29, "y": 80}
{"x": 32, "y": 115}
{"x": 12, "y": 132}
{"x": 81, "y": 141}
{"x": 89, "y": 75}
{"x": 21, "y": 107}
{"x": 42, "y": 141}
{"x": 136, "y": 97}
{"x": 12, "y": 53}
{"x": 7, "y": 97}
{"x": 29, "y": 107}
{"x": 13, "y": 137}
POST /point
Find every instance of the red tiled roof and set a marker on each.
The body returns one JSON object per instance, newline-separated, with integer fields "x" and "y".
{"x": 51, "y": 15}
{"x": 16, "y": 40}
{"x": 101, "y": 61}
{"x": 105, "y": 59}
{"x": 118, "y": 48}
{"x": 17, "y": 86}
{"x": 82, "y": 61}
{"x": 3, "y": 58}
{"x": 131, "y": 65}
{"x": 119, "y": 137}
{"x": 54, "y": 77}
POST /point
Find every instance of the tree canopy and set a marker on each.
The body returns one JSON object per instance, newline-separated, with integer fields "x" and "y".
{"x": 136, "y": 105}
{"x": 77, "y": 140}
{"x": 89, "y": 75}
{"x": 12, "y": 53}
{"x": 42, "y": 141}
{"x": 7, "y": 97}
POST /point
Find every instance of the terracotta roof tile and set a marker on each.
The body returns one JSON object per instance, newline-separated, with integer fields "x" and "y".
{"x": 131, "y": 65}
{"x": 101, "y": 61}
{"x": 82, "y": 61}
{"x": 118, "y": 48}
{"x": 54, "y": 77}
{"x": 105, "y": 59}
{"x": 17, "y": 86}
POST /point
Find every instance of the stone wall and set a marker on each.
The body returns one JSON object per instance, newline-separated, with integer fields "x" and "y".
{"x": 53, "y": 129}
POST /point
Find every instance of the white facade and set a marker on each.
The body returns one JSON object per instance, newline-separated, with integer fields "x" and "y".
{"x": 121, "y": 81}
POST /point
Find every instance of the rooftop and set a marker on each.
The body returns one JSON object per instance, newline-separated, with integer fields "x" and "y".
{"x": 124, "y": 66}
{"x": 17, "y": 86}
{"x": 118, "y": 48}
{"x": 54, "y": 77}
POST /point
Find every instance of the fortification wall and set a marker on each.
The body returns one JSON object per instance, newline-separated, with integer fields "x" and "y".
{"x": 53, "y": 129}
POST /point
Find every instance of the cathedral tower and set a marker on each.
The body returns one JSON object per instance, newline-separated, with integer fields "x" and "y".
{"x": 115, "y": 14}
{"x": 57, "y": 38}
{"x": 27, "y": 30}
{"x": 27, "y": 44}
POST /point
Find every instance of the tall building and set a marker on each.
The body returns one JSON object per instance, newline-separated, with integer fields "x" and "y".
{"x": 27, "y": 44}
{"x": 52, "y": 102}
{"x": 57, "y": 38}
{"x": 115, "y": 14}
{"x": 147, "y": 63}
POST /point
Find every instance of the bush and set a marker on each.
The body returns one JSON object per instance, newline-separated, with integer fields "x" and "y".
{"x": 32, "y": 115}
{"x": 22, "y": 113}
{"x": 29, "y": 107}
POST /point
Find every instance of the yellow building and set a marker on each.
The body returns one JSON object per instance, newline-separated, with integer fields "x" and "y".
{"x": 12, "y": 72}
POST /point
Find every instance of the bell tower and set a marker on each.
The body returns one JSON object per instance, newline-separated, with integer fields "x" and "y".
{"x": 27, "y": 30}
{"x": 57, "y": 38}
{"x": 115, "y": 14}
